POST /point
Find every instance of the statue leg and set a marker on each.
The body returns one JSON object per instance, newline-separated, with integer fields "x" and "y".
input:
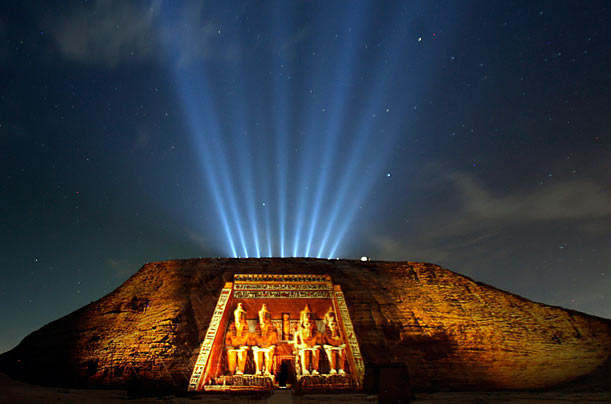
{"x": 269, "y": 361}
{"x": 298, "y": 363}
{"x": 258, "y": 356}
{"x": 242, "y": 354}
{"x": 315, "y": 360}
{"x": 231, "y": 360}
{"x": 332, "y": 361}
{"x": 341, "y": 359}
{"x": 305, "y": 362}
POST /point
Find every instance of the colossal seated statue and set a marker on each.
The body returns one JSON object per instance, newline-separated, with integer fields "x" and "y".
{"x": 237, "y": 342}
{"x": 307, "y": 343}
{"x": 265, "y": 340}
{"x": 333, "y": 344}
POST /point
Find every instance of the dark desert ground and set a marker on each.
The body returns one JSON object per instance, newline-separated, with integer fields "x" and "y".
{"x": 12, "y": 391}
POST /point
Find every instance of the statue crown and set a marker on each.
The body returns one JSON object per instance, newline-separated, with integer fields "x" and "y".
{"x": 239, "y": 310}
{"x": 306, "y": 313}
{"x": 330, "y": 314}
{"x": 264, "y": 313}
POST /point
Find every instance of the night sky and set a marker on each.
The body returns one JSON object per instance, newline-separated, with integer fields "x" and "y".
{"x": 473, "y": 135}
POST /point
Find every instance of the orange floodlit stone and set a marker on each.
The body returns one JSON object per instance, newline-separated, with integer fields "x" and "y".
{"x": 269, "y": 342}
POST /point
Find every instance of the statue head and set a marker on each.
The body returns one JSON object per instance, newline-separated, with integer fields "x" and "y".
{"x": 331, "y": 321}
{"x": 306, "y": 318}
{"x": 239, "y": 315}
{"x": 265, "y": 317}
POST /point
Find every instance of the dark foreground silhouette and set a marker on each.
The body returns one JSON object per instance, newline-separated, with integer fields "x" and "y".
{"x": 15, "y": 392}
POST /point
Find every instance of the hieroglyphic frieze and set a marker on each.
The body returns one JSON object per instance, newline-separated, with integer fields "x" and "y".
{"x": 280, "y": 278}
{"x": 283, "y": 286}
{"x": 208, "y": 342}
{"x": 282, "y": 294}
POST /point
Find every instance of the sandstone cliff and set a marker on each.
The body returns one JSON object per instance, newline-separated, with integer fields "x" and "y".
{"x": 451, "y": 332}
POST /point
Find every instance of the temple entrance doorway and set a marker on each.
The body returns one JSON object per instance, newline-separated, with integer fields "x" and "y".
{"x": 283, "y": 374}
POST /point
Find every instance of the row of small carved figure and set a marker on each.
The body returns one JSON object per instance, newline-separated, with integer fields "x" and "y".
{"x": 306, "y": 344}
{"x": 242, "y": 380}
{"x": 284, "y": 277}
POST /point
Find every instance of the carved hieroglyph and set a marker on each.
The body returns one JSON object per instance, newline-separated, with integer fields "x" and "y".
{"x": 350, "y": 335}
{"x": 207, "y": 344}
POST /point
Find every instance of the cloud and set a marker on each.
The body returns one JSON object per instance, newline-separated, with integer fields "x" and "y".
{"x": 198, "y": 239}
{"x": 575, "y": 199}
{"x": 393, "y": 249}
{"x": 111, "y": 32}
{"x": 429, "y": 246}
{"x": 198, "y": 37}
{"x": 105, "y": 32}
{"x": 473, "y": 218}
{"x": 121, "y": 268}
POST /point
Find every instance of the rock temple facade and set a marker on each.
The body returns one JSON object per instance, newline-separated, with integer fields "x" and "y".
{"x": 206, "y": 324}
{"x": 278, "y": 331}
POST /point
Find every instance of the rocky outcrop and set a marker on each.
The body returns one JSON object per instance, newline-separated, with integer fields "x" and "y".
{"x": 451, "y": 332}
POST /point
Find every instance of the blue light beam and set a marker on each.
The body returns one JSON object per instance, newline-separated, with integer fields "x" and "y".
{"x": 343, "y": 78}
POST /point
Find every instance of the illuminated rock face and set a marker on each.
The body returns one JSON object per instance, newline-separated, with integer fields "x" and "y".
{"x": 282, "y": 347}
{"x": 449, "y": 331}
